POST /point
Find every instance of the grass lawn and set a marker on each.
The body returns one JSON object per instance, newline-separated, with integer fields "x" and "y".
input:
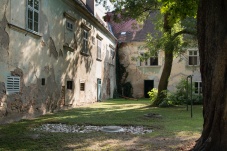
{"x": 175, "y": 130}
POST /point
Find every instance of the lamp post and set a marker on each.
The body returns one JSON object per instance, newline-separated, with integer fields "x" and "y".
{"x": 190, "y": 77}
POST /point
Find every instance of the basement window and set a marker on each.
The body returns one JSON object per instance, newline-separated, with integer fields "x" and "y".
{"x": 43, "y": 81}
{"x": 82, "y": 86}
{"x": 70, "y": 85}
{"x": 12, "y": 84}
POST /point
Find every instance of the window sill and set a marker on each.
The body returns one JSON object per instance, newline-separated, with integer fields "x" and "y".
{"x": 154, "y": 66}
{"x": 83, "y": 53}
{"x": 65, "y": 46}
{"x": 111, "y": 64}
{"x": 25, "y": 31}
{"x": 98, "y": 59}
{"x": 192, "y": 65}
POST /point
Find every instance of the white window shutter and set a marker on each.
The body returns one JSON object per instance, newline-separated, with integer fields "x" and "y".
{"x": 12, "y": 84}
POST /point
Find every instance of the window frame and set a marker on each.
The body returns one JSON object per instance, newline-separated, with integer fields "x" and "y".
{"x": 111, "y": 54}
{"x": 193, "y": 55}
{"x": 85, "y": 41}
{"x": 99, "y": 49}
{"x": 33, "y": 11}
{"x": 148, "y": 62}
{"x": 71, "y": 23}
{"x": 198, "y": 88}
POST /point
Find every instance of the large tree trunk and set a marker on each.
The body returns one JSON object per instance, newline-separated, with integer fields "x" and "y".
{"x": 164, "y": 80}
{"x": 212, "y": 36}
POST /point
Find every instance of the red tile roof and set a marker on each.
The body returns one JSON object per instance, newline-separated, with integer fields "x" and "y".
{"x": 134, "y": 31}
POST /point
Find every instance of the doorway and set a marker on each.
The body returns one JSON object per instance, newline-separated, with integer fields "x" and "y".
{"x": 99, "y": 90}
{"x": 148, "y": 86}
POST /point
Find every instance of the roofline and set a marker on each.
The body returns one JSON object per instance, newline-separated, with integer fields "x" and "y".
{"x": 88, "y": 14}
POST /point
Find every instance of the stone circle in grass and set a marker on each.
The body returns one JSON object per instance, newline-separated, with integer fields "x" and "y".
{"x": 64, "y": 128}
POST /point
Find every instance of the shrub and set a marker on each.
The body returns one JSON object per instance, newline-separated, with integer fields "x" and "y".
{"x": 153, "y": 94}
{"x": 182, "y": 96}
{"x": 179, "y": 97}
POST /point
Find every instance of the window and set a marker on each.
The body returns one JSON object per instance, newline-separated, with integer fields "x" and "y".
{"x": 99, "y": 48}
{"x": 198, "y": 87}
{"x": 193, "y": 58}
{"x": 43, "y": 81}
{"x": 123, "y": 33}
{"x": 154, "y": 60}
{"x": 33, "y": 15}
{"x": 82, "y": 86}
{"x": 112, "y": 54}
{"x": 85, "y": 41}
{"x": 69, "y": 25}
{"x": 70, "y": 85}
{"x": 12, "y": 84}
{"x": 151, "y": 61}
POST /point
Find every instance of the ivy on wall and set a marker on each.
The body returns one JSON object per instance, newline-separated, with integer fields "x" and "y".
{"x": 123, "y": 88}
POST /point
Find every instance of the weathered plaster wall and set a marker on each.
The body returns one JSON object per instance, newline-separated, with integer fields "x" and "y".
{"x": 137, "y": 74}
{"x": 34, "y": 58}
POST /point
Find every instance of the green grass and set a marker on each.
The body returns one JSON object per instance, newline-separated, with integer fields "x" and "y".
{"x": 175, "y": 122}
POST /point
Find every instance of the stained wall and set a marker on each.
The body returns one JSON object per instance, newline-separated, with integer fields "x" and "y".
{"x": 138, "y": 73}
{"x": 52, "y": 55}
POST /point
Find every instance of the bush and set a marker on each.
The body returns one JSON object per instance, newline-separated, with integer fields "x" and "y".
{"x": 179, "y": 97}
{"x": 153, "y": 94}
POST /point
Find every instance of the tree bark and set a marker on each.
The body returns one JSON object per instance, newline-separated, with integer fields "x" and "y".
{"x": 212, "y": 36}
{"x": 164, "y": 80}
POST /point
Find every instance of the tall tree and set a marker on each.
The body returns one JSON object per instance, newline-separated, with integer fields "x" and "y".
{"x": 212, "y": 36}
{"x": 174, "y": 11}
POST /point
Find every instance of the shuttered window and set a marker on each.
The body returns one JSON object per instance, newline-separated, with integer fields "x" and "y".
{"x": 12, "y": 84}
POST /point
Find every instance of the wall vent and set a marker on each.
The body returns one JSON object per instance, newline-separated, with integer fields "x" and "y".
{"x": 12, "y": 84}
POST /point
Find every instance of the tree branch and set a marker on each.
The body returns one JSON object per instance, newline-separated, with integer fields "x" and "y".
{"x": 184, "y": 31}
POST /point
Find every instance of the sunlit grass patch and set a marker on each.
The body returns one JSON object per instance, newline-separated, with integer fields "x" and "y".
{"x": 175, "y": 123}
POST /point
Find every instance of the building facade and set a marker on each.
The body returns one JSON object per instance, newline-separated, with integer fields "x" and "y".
{"x": 54, "y": 54}
{"x": 145, "y": 75}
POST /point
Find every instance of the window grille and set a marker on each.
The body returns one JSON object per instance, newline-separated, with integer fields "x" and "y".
{"x": 12, "y": 84}
{"x": 82, "y": 86}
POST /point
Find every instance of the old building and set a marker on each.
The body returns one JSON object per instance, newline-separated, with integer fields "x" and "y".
{"x": 145, "y": 75}
{"x": 54, "y": 53}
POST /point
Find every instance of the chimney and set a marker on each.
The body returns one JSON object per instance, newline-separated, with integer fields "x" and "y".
{"x": 90, "y": 4}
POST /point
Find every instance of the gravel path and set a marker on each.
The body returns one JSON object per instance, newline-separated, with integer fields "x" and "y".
{"x": 64, "y": 128}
